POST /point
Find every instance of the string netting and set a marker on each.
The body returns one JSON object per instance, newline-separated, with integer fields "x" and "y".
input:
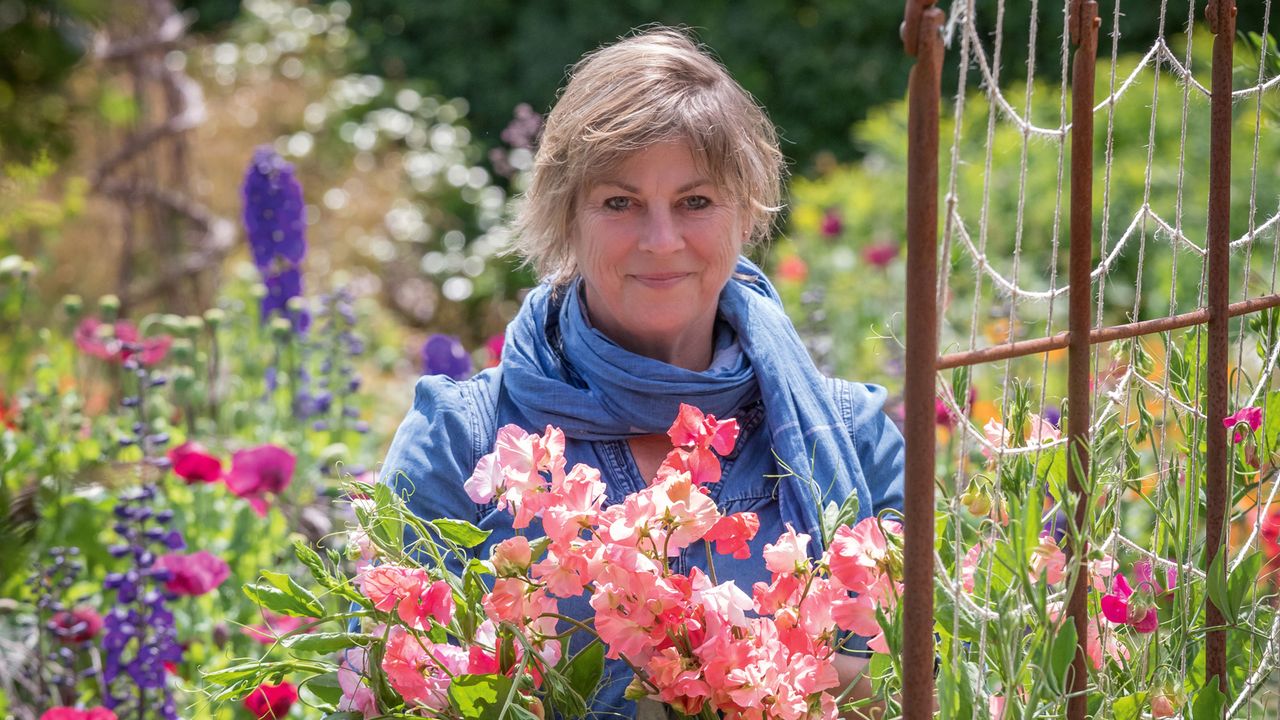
{"x": 1002, "y": 463}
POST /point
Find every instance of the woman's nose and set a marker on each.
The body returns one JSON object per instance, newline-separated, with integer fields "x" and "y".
{"x": 661, "y": 233}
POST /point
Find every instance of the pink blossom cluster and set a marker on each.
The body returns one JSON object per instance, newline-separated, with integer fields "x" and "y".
{"x": 694, "y": 642}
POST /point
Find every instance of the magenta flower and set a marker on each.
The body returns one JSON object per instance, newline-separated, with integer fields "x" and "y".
{"x": 194, "y": 574}
{"x": 879, "y": 254}
{"x": 1252, "y": 416}
{"x": 1126, "y": 606}
{"x": 493, "y": 346}
{"x": 258, "y": 471}
{"x": 120, "y": 343}
{"x": 832, "y": 225}
{"x": 192, "y": 463}
{"x": 63, "y": 712}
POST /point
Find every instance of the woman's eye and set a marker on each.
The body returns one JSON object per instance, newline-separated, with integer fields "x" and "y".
{"x": 617, "y": 203}
{"x": 697, "y": 202}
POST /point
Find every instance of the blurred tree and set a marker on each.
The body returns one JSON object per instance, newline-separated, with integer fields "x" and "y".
{"x": 818, "y": 65}
{"x": 40, "y": 42}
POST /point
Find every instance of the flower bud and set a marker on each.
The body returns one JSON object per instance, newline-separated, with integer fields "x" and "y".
{"x": 72, "y": 305}
{"x": 108, "y": 308}
{"x": 214, "y": 317}
{"x": 182, "y": 351}
{"x": 281, "y": 328}
{"x": 512, "y": 556}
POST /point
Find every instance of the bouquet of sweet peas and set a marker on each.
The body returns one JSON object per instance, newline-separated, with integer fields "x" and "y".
{"x": 447, "y": 635}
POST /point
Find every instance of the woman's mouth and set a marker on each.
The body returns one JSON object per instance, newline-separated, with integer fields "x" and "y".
{"x": 660, "y": 280}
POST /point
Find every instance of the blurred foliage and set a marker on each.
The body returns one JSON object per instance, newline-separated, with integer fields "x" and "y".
{"x": 398, "y": 190}
{"x": 793, "y": 55}
{"x": 41, "y": 41}
{"x": 1031, "y": 212}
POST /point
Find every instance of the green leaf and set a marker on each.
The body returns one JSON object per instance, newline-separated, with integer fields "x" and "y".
{"x": 1061, "y": 654}
{"x": 1129, "y": 707}
{"x": 1210, "y": 703}
{"x": 460, "y": 531}
{"x": 848, "y": 514}
{"x": 281, "y": 594}
{"x": 1242, "y": 581}
{"x": 1216, "y": 586}
{"x": 1271, "y": 423}
{"x": 255, "y": 671}
{"x": 325, "y": 687}
{"x": 585, "y": 670}
{"x": 480, "y": 696}
{"x": 326, "y": 642}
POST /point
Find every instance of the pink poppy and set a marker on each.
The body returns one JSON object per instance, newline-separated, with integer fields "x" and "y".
{"x": 1251, "y": 416}
{"x": 121, "y": 343}
{"x": 194, "y": 574}
{"x": 259, "y": 471}
{"x": 879, "y": 255}
{"x": 67, "y": 713}
{"x": 193, "y": 463}
{"x": 78, "y": 625}
{"x": 269, "y": 702}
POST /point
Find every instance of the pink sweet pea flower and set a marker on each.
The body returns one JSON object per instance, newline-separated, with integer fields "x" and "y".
{"x": 356, "y": 695}
{"x": 410, "y": 593}
{"x": 193, "y": 574}
{"x": 420, "y": 671}
{"x": 193, "y": 463}
{"x": 692, "y": 427}
{"x": 260, "y": 471}
{"x": 788, "y": 554}
{"x": 92, "y": 337}
{"x": 731, "y": 534}
{"x": 1120, "y": 607}
{"x": 1048, "y": 560}
{"x": 512, "y": 556}
{"x": 62, "y": 712}
{"x": 1251, "y": 416}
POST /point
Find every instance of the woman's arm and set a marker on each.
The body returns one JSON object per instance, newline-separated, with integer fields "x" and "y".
{"x": 852, "y": 670}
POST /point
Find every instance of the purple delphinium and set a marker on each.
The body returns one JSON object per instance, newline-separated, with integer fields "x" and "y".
{"x": 275, "y": 223}
{"x": 327, "y": 378}
{"x": 64, "y": 633}
{"x": 140, "y": 634}
{"x": 445, "y": 355}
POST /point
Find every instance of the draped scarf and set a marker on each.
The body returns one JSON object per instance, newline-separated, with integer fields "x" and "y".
{"x": 561, "y": 371}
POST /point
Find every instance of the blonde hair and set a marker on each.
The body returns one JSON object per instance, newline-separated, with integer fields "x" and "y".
{"x": 654, "y": 87}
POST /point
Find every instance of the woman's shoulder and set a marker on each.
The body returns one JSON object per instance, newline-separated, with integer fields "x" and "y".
{"x": 451, "y": 422}
{"x": 859, "y": 402}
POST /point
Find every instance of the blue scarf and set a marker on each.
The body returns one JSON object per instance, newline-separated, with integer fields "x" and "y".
{"x": 560, "y": 371}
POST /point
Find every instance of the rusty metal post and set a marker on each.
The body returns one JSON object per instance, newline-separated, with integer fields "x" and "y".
{"x": 1084, "y": 23}
{"x": 922, "y": 38}
{"x": 1221, "y": 17}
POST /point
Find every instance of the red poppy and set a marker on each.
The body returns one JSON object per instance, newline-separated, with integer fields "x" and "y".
{"x": 268, "y": 702}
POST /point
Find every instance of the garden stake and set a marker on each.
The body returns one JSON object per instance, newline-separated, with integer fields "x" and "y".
{"x": 1084, "y": 22}
{"x": 1221, "y": 17}
{"x": 922, "y": 39}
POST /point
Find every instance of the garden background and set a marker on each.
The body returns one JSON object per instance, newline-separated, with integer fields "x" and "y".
{"x": 142, "y": 309}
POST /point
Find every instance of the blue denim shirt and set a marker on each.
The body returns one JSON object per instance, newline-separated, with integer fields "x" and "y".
{"x": 453, "y": 424}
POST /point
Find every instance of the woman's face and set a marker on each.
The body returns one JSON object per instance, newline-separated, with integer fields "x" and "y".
{"x": 655, "y": 242}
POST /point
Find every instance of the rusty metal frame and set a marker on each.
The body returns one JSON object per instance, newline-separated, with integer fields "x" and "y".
{"x": 921, "y": 34}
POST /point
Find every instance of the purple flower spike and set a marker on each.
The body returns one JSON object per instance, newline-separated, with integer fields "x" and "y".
{"x": 273, "y": 211}
{"x": 445, "y": 355}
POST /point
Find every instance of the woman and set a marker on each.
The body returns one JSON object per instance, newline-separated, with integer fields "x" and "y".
{"x": 654, "y": 172}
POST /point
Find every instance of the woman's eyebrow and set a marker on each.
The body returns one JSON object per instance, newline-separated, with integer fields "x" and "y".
{"x": 632, "y": 189}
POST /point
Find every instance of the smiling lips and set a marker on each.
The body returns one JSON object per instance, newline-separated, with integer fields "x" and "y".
{"x": 660, "y": 280}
